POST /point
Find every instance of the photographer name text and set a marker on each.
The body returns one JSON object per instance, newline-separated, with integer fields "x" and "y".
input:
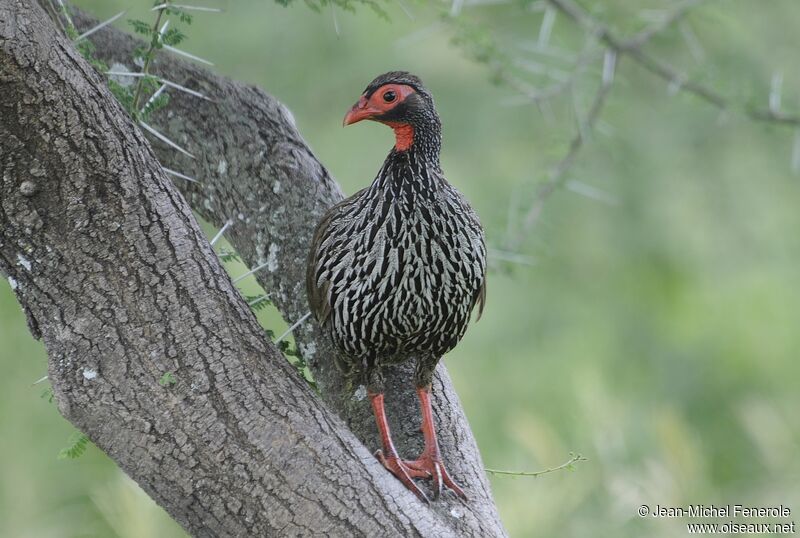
{"x": 725, "y": 510}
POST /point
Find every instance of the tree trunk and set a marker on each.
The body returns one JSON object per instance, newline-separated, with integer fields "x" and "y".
{"x": 117, "y": 279}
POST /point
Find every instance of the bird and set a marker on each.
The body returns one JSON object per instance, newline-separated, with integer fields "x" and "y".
{"x": 395, "y": 271}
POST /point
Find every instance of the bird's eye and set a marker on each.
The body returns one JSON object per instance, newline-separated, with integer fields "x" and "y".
{"x": 389, "y": 96}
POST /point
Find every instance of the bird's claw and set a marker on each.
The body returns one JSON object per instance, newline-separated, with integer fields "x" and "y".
{"x": 403, "y": 472}
{"x": 427, "y": 467}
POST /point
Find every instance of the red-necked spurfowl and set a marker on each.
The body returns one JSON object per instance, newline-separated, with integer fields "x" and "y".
{"x": 395, "y": 270}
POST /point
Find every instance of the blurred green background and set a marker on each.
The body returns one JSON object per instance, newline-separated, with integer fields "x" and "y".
{"x": 655, "y": 329}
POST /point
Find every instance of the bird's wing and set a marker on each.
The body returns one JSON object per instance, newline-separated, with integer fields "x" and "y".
{"x": 480, "y": 299}
{"x": 318, "y": 291}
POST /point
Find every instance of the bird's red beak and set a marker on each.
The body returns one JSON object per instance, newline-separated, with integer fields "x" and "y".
{"x": 360, "y": 111}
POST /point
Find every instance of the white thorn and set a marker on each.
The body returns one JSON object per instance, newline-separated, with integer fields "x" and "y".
{"x": 103, "y": 24}
{"x": 609, "y": 65}
{"x": 260, "y": 299}
{"x": 153, "y": 97}
{"x": 183, "y": 89}
{"x": 164, "y": 139}
{"x": 692, "y": 42}
{"x": 335, "y": 20}
{"x": 775, "y": 91}
{"x": 578, "y": 187}
{"x": 405, "y": 10}
{"x": 161, "y": 80}
{"x": 187, "y": 8}
{"x": 512, "y": 257}
{"x": 39, "y": 380}
{"x": 124, "y": 74}
{"x": 187, "y": 55}
{"x": 293, "y": 327}
{"x": 178, "y": 174}
{"x": 65, "y": 12}
{"x": 221, "y": 231}
{"x": 546, "y": 28}
{"x": 248, "y": 273}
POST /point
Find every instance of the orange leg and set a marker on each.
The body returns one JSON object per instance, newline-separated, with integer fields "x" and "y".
{"x": 429, "y": 462}
{"x": 388, "y": 456}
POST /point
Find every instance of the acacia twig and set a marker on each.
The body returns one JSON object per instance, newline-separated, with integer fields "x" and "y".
{"x": 148, "y": 57}
{"x": 633, "y": 47}
{"x": 558, "y": 174}
{"x": 569, "y": 465}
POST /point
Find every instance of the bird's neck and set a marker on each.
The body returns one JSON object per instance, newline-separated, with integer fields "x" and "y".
{"x": 410, "y": 174}
{"x": 412, "y": 166}
{"x": 421, "y": 136}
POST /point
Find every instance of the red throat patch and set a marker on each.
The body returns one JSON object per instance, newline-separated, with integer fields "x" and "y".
{"x": 404, "y": 134}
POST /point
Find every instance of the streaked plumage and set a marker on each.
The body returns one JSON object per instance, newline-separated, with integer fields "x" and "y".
{"x": 395, "y": 270}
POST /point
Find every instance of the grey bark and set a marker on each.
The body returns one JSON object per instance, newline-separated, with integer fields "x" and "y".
{"x": 116, "y": 277}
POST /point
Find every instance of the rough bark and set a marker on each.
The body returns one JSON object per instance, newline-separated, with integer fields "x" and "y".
{"x": 114, "y": 274}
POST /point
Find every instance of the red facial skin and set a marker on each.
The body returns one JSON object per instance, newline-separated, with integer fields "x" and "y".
{"x": 367, "y": 109}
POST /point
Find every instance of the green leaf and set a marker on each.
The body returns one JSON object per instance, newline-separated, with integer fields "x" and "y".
{"x": 172, "y": 37}
{"x": 153, "y": 106}
{"x": 257, "y": 302}
{"x": 140, "y": 27}
{"x": 47, "y": 394}
{"x": 124, "y": 95}
{"x": 167, "y": 380}
{"x": 78, "y": 442}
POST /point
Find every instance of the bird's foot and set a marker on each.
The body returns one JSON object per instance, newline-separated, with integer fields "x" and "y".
{"x": 403, "y": 472}
{"x": 427, "y": 466}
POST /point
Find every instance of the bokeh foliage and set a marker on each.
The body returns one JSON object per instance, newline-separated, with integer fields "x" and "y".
{"x": 656, "y": 332}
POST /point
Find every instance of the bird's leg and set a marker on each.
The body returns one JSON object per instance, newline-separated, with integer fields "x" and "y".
{"x": 388, "y": 456}
{"x": 429, "y": 462}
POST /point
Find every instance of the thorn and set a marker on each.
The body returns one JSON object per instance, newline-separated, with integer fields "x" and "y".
{"x": 161, "y": 80}
{"x": 41, "y": 379}
{"x": 293, "y": 327}
{"x": 546, "y": 28}
{"x": 124, "y": 74}
{"x": 511, "y": 257}
{"x": 65, "y": 12}
{"x": 183, "y": 89}
{"x": 775, "y": 92}
{"x": 578, "y": 187}
{"x": 187, "y": 8}
{"x": 335, "y": 20}
{"x": 153, "y": 97}
{"x": 165, "y": 139}
{"x": 260, "y": 299}
{"x": 187, "y": 55}
{"x": 248, "y": 273}
{"x": 405, "y": 10}
{"x": 221, "y": 231}
{"x": 692, "y": 42}
{"x": 609, "y": 66}
{"x": 103, "y": 24}
{"x": 178, "y": 174}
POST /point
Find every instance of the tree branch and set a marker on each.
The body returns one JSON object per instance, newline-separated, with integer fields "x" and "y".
{"x": 114, "y": 273}
{"x": 558, "y": 175}
{"x": 633, "y": 47}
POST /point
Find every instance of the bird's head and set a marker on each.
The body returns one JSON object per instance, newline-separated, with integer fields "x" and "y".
{"x": 399, "y": 100}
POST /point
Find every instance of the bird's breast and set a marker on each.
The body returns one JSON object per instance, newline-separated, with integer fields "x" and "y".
{"x": 405, "y": 276}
